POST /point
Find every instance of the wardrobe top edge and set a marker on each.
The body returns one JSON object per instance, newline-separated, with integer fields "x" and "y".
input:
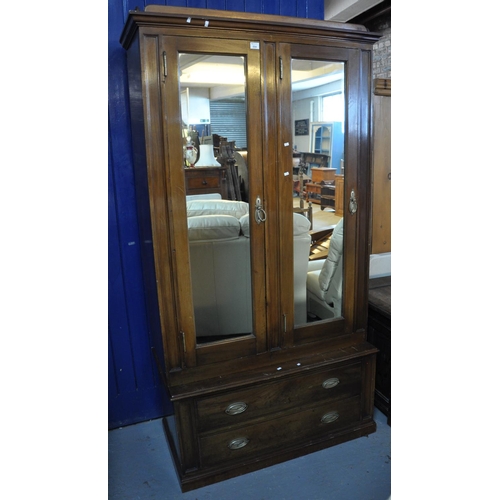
{"x": 161, "y": 15}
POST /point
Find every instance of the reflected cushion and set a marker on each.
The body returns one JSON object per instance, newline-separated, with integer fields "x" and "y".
{"x": 334, "y": 254}
{"x": 301, "y": 224}
{"x": 245, "y": 225}
{"x": 207, "y": 196}
{"x": 216, "y": 207}
{"x": 213, "y": 227}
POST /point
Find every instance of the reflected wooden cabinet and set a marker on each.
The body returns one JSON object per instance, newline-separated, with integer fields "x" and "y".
{"x": 284, "y": 383}
{"x": 321, "y": 138}
{"x": 339, "y": 199}
{"x": 326, "y": 189}
{"x": 328, "y": 139}
{"x": 203, "y": 180}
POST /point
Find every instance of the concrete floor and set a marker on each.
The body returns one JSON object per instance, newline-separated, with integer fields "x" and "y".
{"x": 140, "y": 467}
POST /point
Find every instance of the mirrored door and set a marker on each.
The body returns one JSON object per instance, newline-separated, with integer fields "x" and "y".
{"x": 213, "y": 104}
{"x": 318, "y": 124}
{"x": 316, "y": 110}
{"x": 224, "y": 245}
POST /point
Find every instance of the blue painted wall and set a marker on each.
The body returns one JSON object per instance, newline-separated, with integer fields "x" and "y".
{"x": 134, "y": 391}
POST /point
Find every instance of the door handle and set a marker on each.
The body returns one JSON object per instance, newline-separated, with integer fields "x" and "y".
{"x": 353, "y": 203}
{"x": 260, "y": 213}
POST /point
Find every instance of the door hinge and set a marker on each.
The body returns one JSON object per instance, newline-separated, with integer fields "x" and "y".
{"x": 183, "y": 341}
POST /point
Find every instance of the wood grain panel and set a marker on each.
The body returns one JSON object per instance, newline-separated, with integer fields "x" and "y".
{"x": 278, "y": 433}
{"x": 381, "y": 213}
{"x": 278, "y": 396}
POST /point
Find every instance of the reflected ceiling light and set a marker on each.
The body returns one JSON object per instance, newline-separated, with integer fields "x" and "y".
{"x": 214, "y": 74}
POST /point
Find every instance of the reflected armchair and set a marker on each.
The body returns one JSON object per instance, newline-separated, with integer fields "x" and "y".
{"x": 324, "y": 279}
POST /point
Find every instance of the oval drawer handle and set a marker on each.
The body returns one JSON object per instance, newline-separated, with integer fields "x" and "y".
{"x": 330, "y": 382}
{"x": 329, "y": 417}
{"x": 238, "y": 443}
{"x": 236, "y": 408}
{"x": 204, "y": 182}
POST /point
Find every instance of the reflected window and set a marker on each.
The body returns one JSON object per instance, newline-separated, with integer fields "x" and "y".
{"x": 332, "y": 108}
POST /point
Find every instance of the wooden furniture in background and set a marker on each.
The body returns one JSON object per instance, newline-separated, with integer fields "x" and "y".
{"x": 381, "y": 213}
{"x": 327, "y": 196}
{"x": 321, "y": 138}
{"x": 328, "y": 139}
{"x": 326, "y": 189}
{"x": 202, "y": 180}
{"x": 319, "y": 175}
{"x": 313, "y": 192}
{"x": 313, "y": 160}
{"x": 379, "y": 334}
{"x": 301, "y": 209}
{"x": 339, "y": 195}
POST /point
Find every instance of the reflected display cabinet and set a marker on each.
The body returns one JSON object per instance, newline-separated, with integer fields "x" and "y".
{"x": 328, "y": 139}
{"x": 263, "y": 354}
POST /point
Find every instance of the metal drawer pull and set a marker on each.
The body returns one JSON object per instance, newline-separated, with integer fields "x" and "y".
{"x": 330, "y": 417}
{"x": 237, "y": 443}
{"x": 330, "y": 382}
{"x": 235, "y": 408}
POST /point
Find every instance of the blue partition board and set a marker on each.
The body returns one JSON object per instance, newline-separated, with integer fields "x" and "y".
{"x": 134, "y": 389}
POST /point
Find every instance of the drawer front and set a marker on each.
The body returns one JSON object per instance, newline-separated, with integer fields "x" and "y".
{"x": 241, "y": 406}
{"x": 313, "y": 188}
{"x": 272, "y": 435}
{"x": 325, "y": 174}
{"x": 203, "y": 181}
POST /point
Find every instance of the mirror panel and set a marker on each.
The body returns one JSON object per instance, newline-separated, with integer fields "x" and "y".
{"x": 318, "y": 114}
{"x": 214, "y": 131}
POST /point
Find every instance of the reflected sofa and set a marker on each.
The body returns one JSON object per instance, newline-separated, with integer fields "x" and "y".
{"x": 324, "y": 279}
{"x": 219, "y": 246}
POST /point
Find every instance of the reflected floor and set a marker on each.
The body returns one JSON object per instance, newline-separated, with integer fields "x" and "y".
{"x": 321, "y": 218}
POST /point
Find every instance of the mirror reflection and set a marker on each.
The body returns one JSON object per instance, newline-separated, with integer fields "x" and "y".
{"x": 213, "y": 109}
{"x": 318, "y": 114}
{"x": 214, "y": 131}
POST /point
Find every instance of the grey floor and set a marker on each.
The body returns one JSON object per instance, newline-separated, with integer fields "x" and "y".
{"x": 140, "y": 467}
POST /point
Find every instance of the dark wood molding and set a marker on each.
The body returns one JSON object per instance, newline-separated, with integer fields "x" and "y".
{"x": 382, "y": 86}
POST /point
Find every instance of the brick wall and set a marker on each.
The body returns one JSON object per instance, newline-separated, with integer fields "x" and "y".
{"x": 382, "y": 49}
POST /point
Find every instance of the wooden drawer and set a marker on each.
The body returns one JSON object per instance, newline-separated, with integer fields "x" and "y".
{"x": 313, "y": 188}
{"x": 206, "y": 180}
{"x": 274, "y": 435}
{"x": 237, "y": 407}
{"x": 203, "y": 181}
